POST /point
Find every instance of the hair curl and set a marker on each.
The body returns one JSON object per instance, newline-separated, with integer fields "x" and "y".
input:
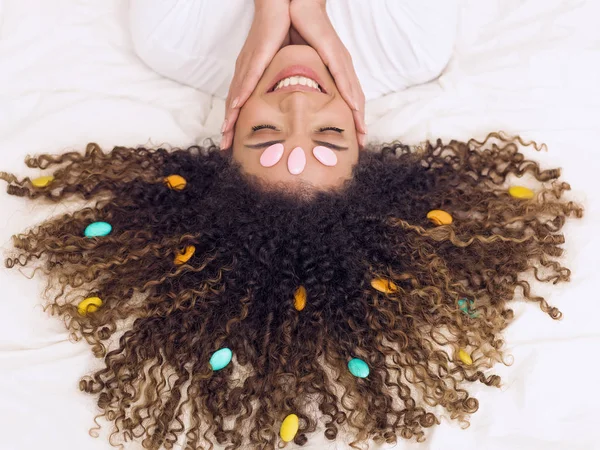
{"x": 254, "y": 248}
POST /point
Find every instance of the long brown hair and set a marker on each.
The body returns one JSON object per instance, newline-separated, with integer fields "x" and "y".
{"x": 296, "y": 289}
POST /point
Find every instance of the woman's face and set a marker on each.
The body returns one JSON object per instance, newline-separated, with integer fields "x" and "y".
{"x": 296, "y": 116}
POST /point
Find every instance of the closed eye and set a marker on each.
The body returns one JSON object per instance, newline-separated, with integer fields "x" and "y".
{"x": 263, "y": 145}
{"x": 336, "y": 129}
{"x": 260, "y": 127}
{"x": 273, "y": 127}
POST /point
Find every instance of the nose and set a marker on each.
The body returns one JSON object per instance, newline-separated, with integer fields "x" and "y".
{"x": 297, "y": 106}
{"x": 299, "y": 109}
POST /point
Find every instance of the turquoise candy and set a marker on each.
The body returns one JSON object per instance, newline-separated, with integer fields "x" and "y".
{"x": 358, "y": 368}
{"x": 98, "y": 229}
{"x": 466, "y": 308}
{"x": 220, "y": 358}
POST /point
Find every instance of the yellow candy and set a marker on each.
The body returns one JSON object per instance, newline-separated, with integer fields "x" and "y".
{"x": 42, "y": 181}
{"x": 465, "y": 357}
{"x": 520, "y": 192}
{"x": 439, "y": 217}
{"x": 289, "y": 428}
{"x": 383, "y": 285}
{"x": 90, "y": 304}
{"x": 300, "y": 298}
{"x": 185, "y": 256}
{"x": 176, "y": 182}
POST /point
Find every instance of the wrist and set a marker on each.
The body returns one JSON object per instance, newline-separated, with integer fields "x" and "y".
{"x": 271, "y": 10}
{"x": 315, "y": 9}
{"x": 313, "y": 2}
{"x": 269, "y": 6}
{"x": 308, "y": 5}
{"x": 312, "y": 14}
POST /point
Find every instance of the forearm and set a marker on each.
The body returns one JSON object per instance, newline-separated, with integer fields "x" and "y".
{"x": 271, "y": 7}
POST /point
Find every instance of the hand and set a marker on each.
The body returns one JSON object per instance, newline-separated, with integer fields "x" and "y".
{"x": 309, "y": 19}
{"x": 267, "y": 35}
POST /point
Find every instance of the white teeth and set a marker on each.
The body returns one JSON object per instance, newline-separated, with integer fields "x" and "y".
{"x": 293, "y": 81}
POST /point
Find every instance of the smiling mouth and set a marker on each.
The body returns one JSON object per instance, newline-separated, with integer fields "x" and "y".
{"x": 297, "y": 78}
{"x": 297, "y": 83}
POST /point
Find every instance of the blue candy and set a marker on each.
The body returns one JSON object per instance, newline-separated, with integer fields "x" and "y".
{"x": 466, "y": 308}
{"x": 98, "y": 229}
{"x": 220, "y": 358}
{"x": 358, "y": 368}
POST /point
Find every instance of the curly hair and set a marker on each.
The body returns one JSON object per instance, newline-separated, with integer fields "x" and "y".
{"x": 356, "y": 309}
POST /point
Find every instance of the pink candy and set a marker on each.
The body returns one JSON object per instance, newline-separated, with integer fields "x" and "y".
{"x": 325, "y": 155}
{"x": 297, "y": 159}
{"x": 271, "y": 155}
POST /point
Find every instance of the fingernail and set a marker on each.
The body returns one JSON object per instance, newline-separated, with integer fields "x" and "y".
{"x": 223, "y": 127}
{"x": 235, "y": 102}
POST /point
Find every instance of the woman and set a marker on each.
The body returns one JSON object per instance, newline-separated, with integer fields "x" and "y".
{"x": 261, "y": 302}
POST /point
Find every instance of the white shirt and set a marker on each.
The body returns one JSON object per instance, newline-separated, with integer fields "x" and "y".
{"x": 394, "y": 43}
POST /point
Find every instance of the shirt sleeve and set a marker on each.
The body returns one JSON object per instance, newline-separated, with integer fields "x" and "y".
{"x": 195, "y": 42}
{"x": 396, "y": 43}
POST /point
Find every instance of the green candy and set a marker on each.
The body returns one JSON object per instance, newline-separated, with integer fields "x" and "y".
{"x": 98, "y": 229}
{"x": 466, "y": 308}
{"x": 358, "y": 368}
{"x": 220, "y": 358}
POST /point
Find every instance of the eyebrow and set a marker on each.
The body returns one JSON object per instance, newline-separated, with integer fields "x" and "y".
{"x": 281, "y": 141}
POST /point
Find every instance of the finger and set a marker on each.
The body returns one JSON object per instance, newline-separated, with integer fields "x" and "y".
{"x": 241, "y": 95}
{"x": 351, "y": 92}
{"x": 343, "y": 84}
{"x": 233, "y": 87}
{"x": 359, "y": 121}
{"x": 359, "y": 116}
{"x": 233, "y": 95}
{"x": 230, "y": 118}
{"x": 359, "y": 113}
{"x": 230, "y": 112}
{"x": 226, "y": 140}
{"x": 357, "y": 106}
{"x": 362, "y": 140}
{"x": 356, "y": 94}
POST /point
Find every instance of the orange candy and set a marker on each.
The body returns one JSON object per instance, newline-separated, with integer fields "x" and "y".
{"x": 383, "y": 285}
{"x": 183, "y": 257}
{"x": 176, "y": 182}
{"x": 300, "y": 298}
{"x": 439, "y": 217}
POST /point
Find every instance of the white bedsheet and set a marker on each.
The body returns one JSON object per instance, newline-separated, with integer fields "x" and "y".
{"x": 68, "y": 76}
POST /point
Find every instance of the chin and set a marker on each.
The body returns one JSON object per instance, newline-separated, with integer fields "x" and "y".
{"x": 298, "y": 54}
